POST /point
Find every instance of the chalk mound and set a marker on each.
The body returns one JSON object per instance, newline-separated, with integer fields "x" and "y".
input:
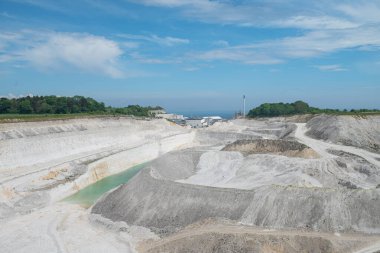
{"x": 266, "y": 183}
{"x": 265, "y": 146}
{"x": 165, "y": 206}
{"x": 210, "y": 137}
{"x": 362, "y": 132}
{"x": 166, "y": 197}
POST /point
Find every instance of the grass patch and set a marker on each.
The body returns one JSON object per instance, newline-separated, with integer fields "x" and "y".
{"x": 10, "y": 118}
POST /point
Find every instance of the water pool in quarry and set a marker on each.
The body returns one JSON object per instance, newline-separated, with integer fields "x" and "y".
{"x": 88, "y": 195}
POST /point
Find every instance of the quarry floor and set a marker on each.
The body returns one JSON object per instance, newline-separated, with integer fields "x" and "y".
{"x": 59, "y": 226}
{"x": 64, "y": 228}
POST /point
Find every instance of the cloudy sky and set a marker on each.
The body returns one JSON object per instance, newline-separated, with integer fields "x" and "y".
{"x": 193, "y": 55}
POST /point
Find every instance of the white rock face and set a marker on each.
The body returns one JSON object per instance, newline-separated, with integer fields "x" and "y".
{"x": 67, "y": 228}
{"x": 216, "y": 168}
{"x": 46, "y": 143}
{"x": 42, "y": 162}
{"x": 45, "y": 161}
{"x": 334, "y": 191}
{"x": 362, "y": 132}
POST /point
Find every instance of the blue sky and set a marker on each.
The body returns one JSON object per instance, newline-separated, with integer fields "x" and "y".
{"x": 193, "y": 55}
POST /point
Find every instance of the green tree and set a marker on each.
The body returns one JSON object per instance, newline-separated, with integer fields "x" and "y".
{"x": 46, "y": 108}
{"x": 280, "y": 109}
{"x": 25, "y": 107}
{"x": 300, "y": 107}
{"x": 65, "y": 105}
{"x": 61, "y": 105}
{"x": 5, "y": 105}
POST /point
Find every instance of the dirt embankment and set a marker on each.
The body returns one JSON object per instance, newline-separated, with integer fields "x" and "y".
{"x": 275, "y": 187}
{"x": 279, "y": 147}
{"x": 166, "y": 206}
{"x": 361, "y": 132}
{"x": 223, "y": 237}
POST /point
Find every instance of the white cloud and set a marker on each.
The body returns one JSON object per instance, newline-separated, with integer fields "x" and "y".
{"x": 323, "y": 41}
{"x": 130, "y": 44}
{"x": 85, "y": 52}
{"x": 260, "y": 13}
{"x": 333, "y": 68}
{"x": 323, "y": 27}
{"x": 149, "y": 60}
{"x": 327, "y": 26}
{"x": 11, "y": 95}
{"x": 200, "y": 4}
{"x": 7, "y": 15}
{"x": 211, "y": 11}
{"x": 163, "y": 41}
{"x": 316, "y": 22}
{"x": 362, "y": 11}
{"x": 239, "y": 55}
{"x": 190, "y": 69}
{"x": 311, "y": 44}
{"x": 221, "y": 43}
{"x": 52, "y": 50}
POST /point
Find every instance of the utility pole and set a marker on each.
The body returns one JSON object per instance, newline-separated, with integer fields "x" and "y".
{"x": 243, "y": 106}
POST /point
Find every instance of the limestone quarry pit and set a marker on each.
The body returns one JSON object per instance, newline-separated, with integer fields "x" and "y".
{"x": 268, "y": 185}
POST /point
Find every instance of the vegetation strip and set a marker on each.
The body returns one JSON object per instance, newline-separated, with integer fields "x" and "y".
{"x": 300, "y": 107}
{"x": 54, "y": 105}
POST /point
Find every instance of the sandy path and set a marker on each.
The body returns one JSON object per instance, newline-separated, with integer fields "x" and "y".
{"x": 240, "y": 230}
{"x": 60, "y": 228}
{"x": 371, "y": 249}
{"x": 321, "y": 146}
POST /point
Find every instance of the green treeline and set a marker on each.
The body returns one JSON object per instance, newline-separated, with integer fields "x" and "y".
{"x": 134, "y": 110}
{"x": 50, "y": 105}
{"x": 66, "y": 105}
{"x": 298, "y": 107}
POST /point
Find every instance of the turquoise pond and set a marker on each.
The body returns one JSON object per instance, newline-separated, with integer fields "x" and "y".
{"x": 88, "y": 195}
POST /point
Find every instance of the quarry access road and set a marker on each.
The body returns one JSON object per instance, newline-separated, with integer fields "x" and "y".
{"x": 238, "y": 229}
{"x": 371, "y": 249}
{"x": 60, "y": 228}
{"x": 321, "y": 147}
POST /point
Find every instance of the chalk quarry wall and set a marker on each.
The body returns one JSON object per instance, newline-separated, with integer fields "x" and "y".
{"x": 50, "y": 160}
{"x": 362, "y": 132}
{"x": 166, "y": 206}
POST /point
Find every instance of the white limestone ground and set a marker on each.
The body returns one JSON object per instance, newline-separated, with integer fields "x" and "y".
{"x": 358, "y": 131}
{"x": 335, "y": 192}
{"x": 232, "y": 170}
{"x": 43, "y": 162}
{"x": 66, "y": 228}
{"x": 322, "y": 146}
{"x": 69, "y": 159}
{"x": 36, "y": 146}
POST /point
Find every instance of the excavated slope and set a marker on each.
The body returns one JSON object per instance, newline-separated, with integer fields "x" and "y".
{"x": 268, "y": 183}
{"x": 362, "y": 132}
{"x": 233, "y": 238}
{"x": 280, "y": 147}
{"x": 44, "y": 161}
{"x": 245, "y": 243}
{"x": 153, "y": 201}
{"x": 24, "y": 144}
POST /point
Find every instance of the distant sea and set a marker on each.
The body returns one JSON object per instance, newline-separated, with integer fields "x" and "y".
{"x": 223, "y": 114}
